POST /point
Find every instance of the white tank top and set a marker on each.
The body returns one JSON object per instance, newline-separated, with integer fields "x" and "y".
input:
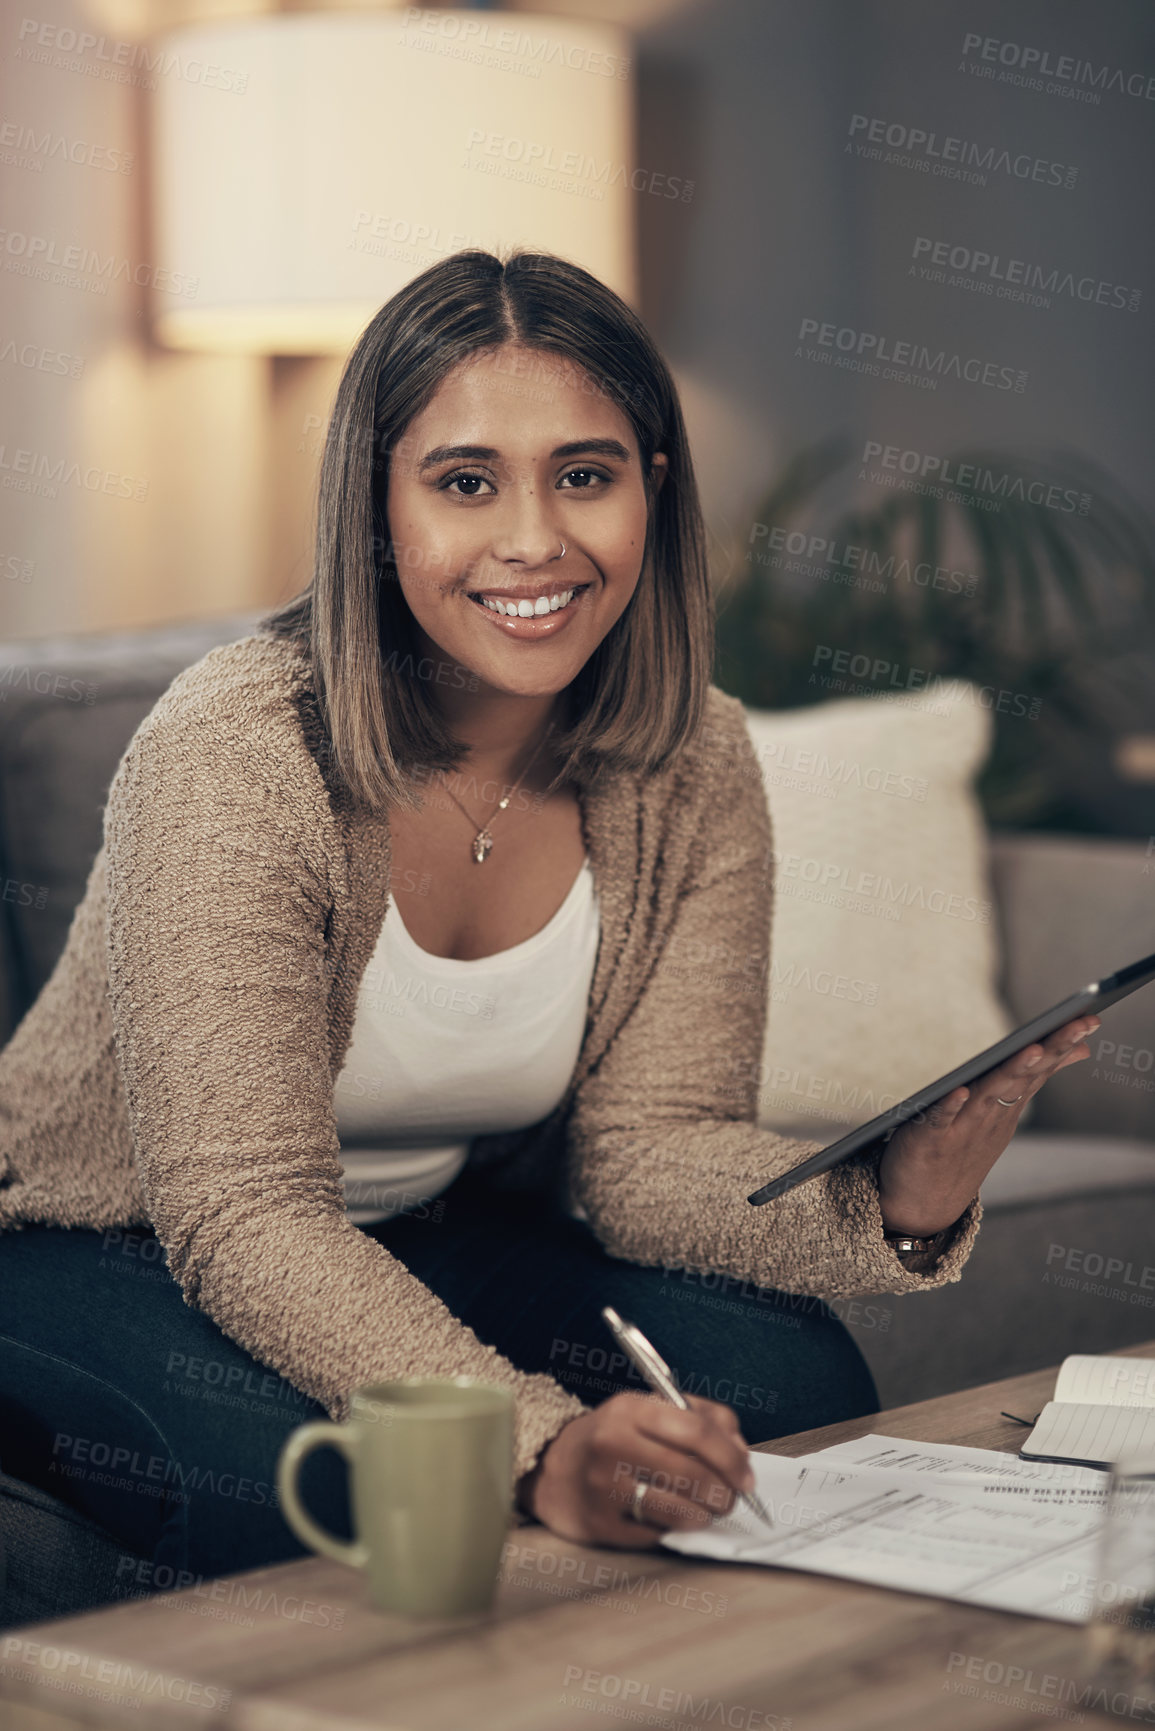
{"x": 444, "y": 1050}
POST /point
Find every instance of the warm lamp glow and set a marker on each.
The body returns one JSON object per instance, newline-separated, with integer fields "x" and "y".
{"x": 307, "y": 165}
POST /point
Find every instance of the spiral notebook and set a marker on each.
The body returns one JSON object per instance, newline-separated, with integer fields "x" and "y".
{"x": 1104, "y": 1408}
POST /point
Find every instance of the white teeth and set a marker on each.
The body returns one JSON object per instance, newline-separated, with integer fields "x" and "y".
{"x": 529, "y": 609}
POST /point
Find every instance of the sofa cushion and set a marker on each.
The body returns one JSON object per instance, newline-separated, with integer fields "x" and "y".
{"x": 53, "y": 1562}
{"x": 1043, "y": 1167}
{"x": 1048, "y": 1276}
{"x": 68, "y": 708}
{"x": 1073, "y": 908}
{"x": 884, "y": 956}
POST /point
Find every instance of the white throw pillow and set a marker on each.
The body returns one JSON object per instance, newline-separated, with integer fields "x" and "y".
{"x": 885, "y": 953}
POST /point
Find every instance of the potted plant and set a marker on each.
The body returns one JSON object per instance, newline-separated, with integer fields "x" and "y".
{"x": 1033, "y": 579}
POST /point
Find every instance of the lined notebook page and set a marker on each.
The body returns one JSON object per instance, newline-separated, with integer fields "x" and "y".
{"x": 1092, "y": 1434}
{"x": 1107, "y": 1381}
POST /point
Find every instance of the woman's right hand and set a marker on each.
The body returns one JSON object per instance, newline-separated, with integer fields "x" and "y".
{"x": 582, "y": 1487}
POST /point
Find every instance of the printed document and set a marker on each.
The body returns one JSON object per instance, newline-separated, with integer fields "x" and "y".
{"x": 958, "y": 1523}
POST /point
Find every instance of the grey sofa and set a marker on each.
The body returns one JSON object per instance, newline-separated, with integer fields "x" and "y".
{"x": 1066, "y": 1258}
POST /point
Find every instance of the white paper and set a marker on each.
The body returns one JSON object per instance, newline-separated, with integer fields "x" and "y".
{"x": 1078, "y": 1431}
{"x": 1013, "y": 1539}
{"x": 1105, "y": 1381}
{"x": 1061, "y": 1483}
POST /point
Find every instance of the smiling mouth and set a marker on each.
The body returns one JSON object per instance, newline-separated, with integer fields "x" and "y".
{"x": 530, "y": 606}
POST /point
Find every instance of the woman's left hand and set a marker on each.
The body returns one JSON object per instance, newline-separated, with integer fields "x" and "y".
{"x": 934, "y": 1164}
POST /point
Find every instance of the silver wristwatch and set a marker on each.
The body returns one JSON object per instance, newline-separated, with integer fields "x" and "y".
{"x": 904, "y": 1241}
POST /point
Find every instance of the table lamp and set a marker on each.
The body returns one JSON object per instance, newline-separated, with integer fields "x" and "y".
{"x": 307, "y": 165}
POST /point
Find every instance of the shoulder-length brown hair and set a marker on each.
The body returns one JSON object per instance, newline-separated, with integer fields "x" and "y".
{"x": 641, "y": 695}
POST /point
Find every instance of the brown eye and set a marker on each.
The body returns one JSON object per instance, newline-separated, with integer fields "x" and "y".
{"x": 587, "y": 475}
{"x": 472, "y": 482}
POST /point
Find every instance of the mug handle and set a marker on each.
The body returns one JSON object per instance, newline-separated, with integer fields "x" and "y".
{"x": 302, "y": 1442}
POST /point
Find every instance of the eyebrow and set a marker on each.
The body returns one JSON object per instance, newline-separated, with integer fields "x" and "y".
{"x": 575, "y": 448}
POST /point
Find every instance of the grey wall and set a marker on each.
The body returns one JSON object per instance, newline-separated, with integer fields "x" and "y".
{"x": 133, "y": 479}
{"x": 797, "y": 215}
{"x": 753, "y": 100}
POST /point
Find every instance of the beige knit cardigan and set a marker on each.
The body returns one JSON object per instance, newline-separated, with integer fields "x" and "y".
{"x": 179, "y": 1065}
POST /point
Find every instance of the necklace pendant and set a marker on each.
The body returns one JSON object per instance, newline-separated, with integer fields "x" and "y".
{"x": 482, "y": 842}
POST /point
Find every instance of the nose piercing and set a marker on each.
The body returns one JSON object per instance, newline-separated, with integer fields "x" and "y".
{"x": 561, "y": 555}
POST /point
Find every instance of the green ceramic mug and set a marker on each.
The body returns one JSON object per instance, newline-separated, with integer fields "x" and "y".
{"x": 431, "y": 1463}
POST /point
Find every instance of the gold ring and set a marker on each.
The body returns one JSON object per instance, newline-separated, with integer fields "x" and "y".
{"x": 1013, "y": 1102}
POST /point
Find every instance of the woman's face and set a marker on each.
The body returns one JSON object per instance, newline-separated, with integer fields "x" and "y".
{"x": 509, "y": 459}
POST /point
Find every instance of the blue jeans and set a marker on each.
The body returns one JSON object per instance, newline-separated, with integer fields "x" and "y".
{"x": 131, "y": 1407}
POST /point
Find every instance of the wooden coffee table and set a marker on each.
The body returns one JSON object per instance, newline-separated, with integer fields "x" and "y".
{"x": 578, "y": 1637}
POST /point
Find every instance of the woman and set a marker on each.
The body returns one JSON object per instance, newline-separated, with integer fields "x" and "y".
{"x": 375, "y": 1018}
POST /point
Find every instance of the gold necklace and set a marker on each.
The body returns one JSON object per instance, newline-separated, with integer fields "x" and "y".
{"x": 482, "y": 842}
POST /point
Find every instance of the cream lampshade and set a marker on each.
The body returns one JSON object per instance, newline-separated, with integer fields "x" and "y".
{"x": 307, "y": 165}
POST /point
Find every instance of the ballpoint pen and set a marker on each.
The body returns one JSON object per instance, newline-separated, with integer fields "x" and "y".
{"x": 645, "y": 1359}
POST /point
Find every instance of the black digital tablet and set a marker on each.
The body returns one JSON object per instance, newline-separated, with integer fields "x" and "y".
{"x": 1091, "y": 998}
